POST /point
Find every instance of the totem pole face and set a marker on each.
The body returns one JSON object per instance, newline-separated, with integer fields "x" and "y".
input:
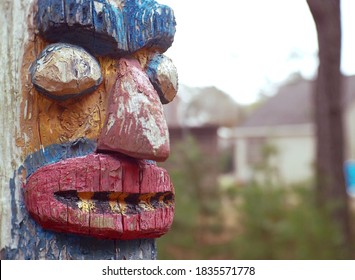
{"x": 94, "y": 81}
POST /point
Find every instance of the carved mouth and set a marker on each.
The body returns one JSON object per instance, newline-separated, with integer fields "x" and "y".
{"x": 102, "y": 195}
{"x": 115, "y": 202}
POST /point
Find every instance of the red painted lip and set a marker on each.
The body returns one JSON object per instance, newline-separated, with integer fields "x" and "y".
{"x": 102, "y": 195}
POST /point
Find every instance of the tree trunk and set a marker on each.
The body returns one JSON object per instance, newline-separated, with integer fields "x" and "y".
{"x": 21, "y": 237}
{"x": 328, "y": 104}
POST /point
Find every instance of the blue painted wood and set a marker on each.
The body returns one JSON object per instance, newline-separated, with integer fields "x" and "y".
{"x": 109, "y": 23}
{"x": 79, "y": 13}
{"x": 163, "y": 75}
{"x": 32, "y": 242}
{"x": 56, "y": 152}
{"x": 78, "y": 16}
{"x": 104, "y": 32}
{"x": 149, "y": 24}
{"x": 57, "y": 12}
{"x": 105, "y": 29}
{"x": 152, "y": 72}
{"x": 82, "y": 24}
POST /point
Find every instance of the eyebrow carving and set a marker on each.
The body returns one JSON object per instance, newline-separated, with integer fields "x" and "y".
{"x": 107, "y": 29}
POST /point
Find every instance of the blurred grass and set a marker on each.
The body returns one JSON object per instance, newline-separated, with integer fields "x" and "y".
{"x": 254, "y": 221}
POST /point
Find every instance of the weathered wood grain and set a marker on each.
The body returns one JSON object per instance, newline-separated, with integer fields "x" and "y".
{"x": 65, "y": 71}
{"x": 139, "y": 190}
{"x": 41, "y": 132}
{"x": 46, "y": 122}
{"x": 106, "y": 28}
{"x": 56, "y": 152}
{"x": 93, "y": 24}
{"x": 149, "y": 25}
{"x": 135, "y": 110}
{"x": 162, "y": 74}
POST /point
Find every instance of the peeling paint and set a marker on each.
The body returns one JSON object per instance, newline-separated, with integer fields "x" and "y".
{"x": 135, "y": 105}
{"x": 65, "y": 71}
{"x": 48, "y": 126}
{"x": 113, "y": 28}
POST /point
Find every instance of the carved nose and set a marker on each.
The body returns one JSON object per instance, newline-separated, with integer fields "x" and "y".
{"x": 135, "y": 124}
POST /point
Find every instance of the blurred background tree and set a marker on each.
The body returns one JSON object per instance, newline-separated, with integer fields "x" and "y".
{"x": 331, "y": 186}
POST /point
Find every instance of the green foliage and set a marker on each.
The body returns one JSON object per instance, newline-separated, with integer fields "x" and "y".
{"x": 284, "y": 223}
{"x": 269, "y": 221}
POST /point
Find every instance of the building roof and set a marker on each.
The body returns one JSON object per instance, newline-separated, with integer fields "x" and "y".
{"x": 199, "y": 107}
{"x": 293, "y": 104}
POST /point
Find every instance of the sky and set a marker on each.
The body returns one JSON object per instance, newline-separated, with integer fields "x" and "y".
{"x": 250, "y": 47}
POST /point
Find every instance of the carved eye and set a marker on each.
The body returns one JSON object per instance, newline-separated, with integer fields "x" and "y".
{"x": 64, "y": 71}
{"x": 162, "y": 74}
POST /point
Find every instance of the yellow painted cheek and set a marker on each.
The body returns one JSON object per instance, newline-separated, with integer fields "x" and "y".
{"x": 61, "y": 122}
{"x": 45, "y": 121}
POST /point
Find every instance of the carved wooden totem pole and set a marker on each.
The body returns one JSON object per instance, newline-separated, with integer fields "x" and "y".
{"x": 91, "y": 129}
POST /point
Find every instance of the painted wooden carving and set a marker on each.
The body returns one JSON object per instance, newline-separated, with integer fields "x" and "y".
{"x": 163, "y": 75}
{"x": 134, "y": 109}
{"x": 93, "y": 118}
{"x": 107, "y": 27}
{"x": 65, "y": 71}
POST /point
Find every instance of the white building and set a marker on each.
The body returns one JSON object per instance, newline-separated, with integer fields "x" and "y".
{"x": 283, "y": 126}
